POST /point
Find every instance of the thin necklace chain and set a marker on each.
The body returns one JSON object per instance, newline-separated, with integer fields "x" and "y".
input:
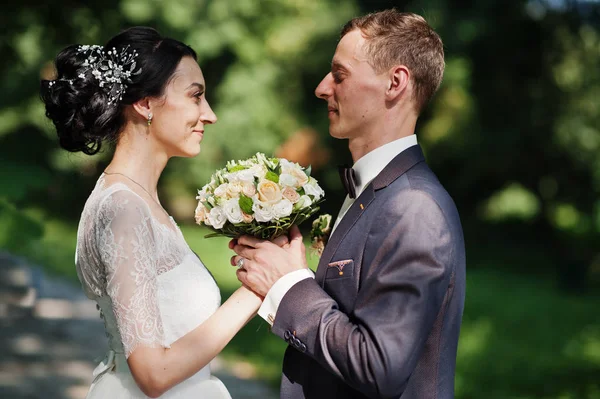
{"x": 142, "y": 187}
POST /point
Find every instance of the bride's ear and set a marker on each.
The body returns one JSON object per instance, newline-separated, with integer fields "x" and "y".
{"x": 143, "y": 107}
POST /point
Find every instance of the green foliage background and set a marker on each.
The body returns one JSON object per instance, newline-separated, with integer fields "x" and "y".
{"x": 513, "y": 134}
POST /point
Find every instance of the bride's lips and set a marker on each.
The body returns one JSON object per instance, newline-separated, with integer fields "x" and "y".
{"x": 199, "y": 132}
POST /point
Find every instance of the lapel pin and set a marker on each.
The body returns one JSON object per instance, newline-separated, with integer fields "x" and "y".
{"x": 362, "y": 207}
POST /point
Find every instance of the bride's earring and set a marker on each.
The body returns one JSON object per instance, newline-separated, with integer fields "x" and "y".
{"x": 150, "y": 116}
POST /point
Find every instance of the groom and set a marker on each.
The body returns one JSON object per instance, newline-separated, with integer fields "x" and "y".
{"x": 381, "y": 317}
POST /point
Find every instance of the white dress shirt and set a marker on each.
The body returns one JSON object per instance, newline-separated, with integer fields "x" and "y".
{"x": 366, "y": 169}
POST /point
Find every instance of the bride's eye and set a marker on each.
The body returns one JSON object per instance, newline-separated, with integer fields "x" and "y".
{"x": 197, "y": 95}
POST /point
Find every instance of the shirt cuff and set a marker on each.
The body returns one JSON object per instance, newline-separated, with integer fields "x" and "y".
{"x": 269, "y": 307}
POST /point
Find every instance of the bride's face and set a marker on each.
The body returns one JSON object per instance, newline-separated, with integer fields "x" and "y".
{"x": 180, "y": 115}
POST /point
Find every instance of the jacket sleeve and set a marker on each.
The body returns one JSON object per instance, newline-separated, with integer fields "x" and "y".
{"x": 409, "y": 255}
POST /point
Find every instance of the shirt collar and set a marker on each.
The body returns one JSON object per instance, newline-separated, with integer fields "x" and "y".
{"x": 371, "y": 164}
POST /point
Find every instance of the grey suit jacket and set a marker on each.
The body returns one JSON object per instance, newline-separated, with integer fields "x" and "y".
{"x": 382, "y": 317}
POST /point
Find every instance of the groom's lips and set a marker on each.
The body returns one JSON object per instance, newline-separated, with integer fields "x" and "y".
{"x": 332, "y": 110}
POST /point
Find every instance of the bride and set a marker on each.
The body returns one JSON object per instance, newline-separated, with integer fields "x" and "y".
{"x": 160, "y": 305}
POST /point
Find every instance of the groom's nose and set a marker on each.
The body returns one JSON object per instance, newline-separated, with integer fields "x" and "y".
{"x": 324, "y": 90}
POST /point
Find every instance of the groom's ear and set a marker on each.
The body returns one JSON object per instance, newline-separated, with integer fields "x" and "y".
{"x": 398, "y": 82}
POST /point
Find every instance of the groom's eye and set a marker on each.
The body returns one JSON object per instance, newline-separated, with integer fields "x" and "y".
{"x": 337, "y": 77}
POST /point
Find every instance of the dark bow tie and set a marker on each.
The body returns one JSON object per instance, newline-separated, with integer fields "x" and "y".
{"x": 348, "y": 177}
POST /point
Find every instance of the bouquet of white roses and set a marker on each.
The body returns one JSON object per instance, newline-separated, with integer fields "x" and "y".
{"x": 260, "y": 196}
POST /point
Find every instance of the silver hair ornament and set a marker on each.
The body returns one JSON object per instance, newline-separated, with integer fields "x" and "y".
{"x": 113, "y": 69}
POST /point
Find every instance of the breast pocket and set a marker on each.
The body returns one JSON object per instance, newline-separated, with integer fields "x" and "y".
{"x": 338, "y": 270}
{"x": 340, "y": 284}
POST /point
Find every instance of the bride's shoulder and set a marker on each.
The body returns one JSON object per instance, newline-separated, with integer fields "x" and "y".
{"x": 115, "y": 198}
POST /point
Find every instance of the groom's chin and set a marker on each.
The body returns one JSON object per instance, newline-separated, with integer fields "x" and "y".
{"x": 336, "y": 133}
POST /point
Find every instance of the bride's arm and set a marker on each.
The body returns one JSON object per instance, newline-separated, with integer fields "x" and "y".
{"x": 130, "y": 255}
{"x": 156, "y": 370}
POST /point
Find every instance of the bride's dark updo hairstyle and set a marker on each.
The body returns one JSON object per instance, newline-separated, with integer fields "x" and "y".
{"x": 81, "y": 109}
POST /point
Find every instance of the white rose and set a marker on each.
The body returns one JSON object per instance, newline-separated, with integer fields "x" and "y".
{"x": 216, "y": 217}
{"x": 262, "y": 212}
{"x": 245, "y": 176}
{"x": 283, "y": 208}
{"x": 240, "y": 176}
{"x": 313, "y": 188}
{"x": 233, "y": 211}
{"x": 259, "y": 171}
{"x": 288, "y": 180}
{"x": 285, "y": 164}
{"x": 303, "y": 202}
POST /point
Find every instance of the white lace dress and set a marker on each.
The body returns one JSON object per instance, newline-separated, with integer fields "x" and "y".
{"x": 151, "y": 289}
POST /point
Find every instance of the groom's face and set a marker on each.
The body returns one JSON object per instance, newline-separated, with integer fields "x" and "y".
{"x": 353, "y": 91}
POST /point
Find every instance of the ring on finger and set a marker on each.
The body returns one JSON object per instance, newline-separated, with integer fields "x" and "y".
{"x": 240, "y": 263}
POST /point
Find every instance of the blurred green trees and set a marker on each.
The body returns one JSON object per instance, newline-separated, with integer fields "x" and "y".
{"x": 513, "y": 134}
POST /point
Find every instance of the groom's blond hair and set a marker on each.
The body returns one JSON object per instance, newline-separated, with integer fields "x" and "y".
{"x": 398, "y": 38}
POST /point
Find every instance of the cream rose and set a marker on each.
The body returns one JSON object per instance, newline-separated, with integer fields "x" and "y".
{"x": 234, "y": 189}
{"x": 221, "y": 191}
{"x": 247, "y": 218}
{"x": 248, "y": 189}
{"x": 269, "y": 192}
{"x": 299, "y": 174}
{"x": 290, "y": 194}
{"x": 200, "y": 213}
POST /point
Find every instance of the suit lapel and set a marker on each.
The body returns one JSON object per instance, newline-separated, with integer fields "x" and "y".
{"x": 396, "y": 168}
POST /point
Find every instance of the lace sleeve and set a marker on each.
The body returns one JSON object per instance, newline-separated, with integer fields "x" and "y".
{"x": 128, "y": 252}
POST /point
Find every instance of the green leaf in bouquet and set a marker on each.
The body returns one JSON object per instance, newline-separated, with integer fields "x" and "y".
{"x": 274, "y": 177}
{"x": 207, "y": 205}
{"x": 277, "y": 168}
{"x": 236, "y": 168}
{"x": 246, "y": 204}
{"x": 308, "y": 170}
{"x": 301, "y": 191}
{"x": 266, "y": 231}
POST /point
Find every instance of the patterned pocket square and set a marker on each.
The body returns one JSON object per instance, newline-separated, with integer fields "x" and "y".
{"x": 340, "y": 265}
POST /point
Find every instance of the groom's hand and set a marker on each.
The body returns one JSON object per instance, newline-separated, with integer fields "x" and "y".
{"x": 265, "y": 262}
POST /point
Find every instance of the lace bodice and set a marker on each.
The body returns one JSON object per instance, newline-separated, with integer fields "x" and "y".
{"x": 150, "y": 286}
